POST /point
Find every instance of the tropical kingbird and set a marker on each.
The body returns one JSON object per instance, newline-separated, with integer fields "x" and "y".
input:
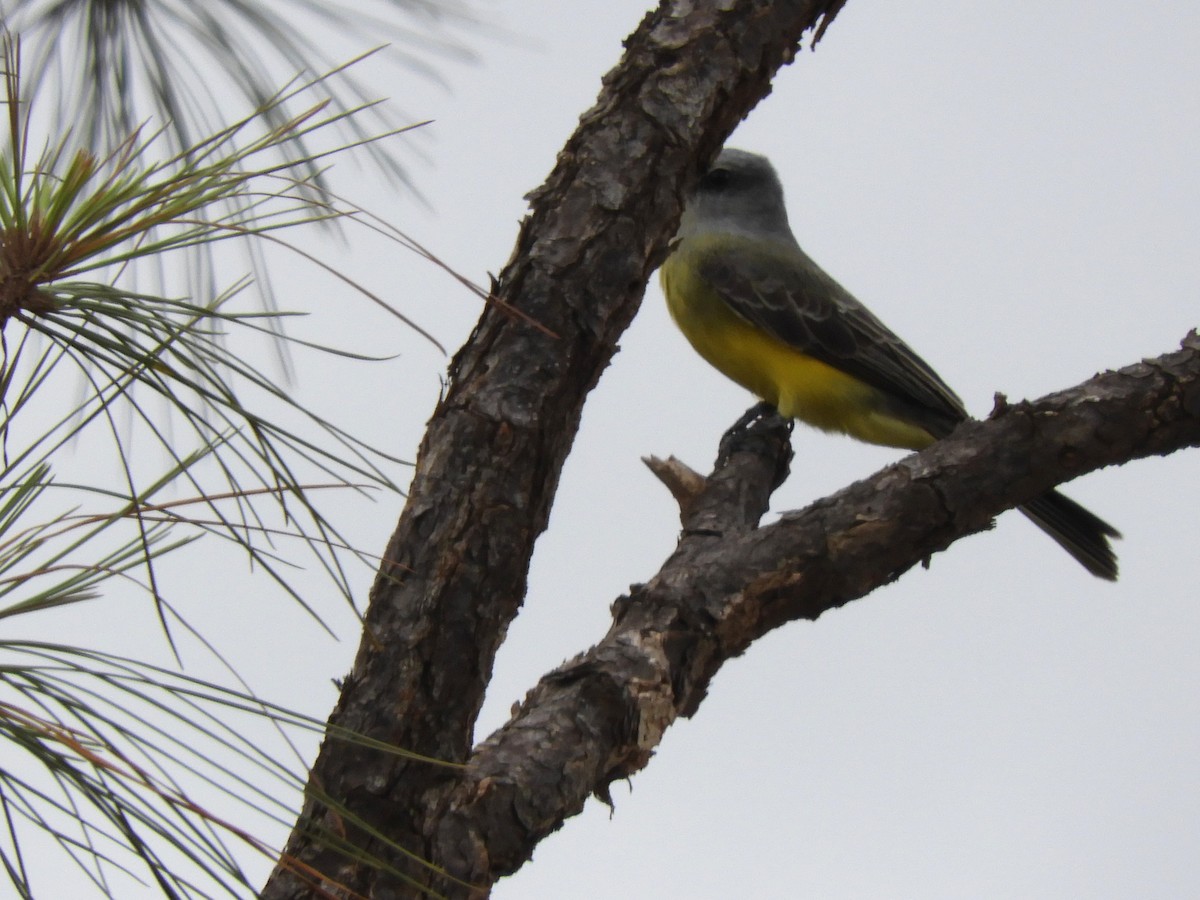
{"x": 754, "y": 305}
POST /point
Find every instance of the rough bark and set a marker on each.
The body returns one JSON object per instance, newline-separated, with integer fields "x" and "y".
{"x": 455, "y": 569}
{"x": 598, "y": 717}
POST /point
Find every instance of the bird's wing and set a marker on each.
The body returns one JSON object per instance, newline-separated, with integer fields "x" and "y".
{"x": 794, "y": 300}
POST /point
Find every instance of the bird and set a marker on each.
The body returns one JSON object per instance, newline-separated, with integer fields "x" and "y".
{"x": 755, "y": 306}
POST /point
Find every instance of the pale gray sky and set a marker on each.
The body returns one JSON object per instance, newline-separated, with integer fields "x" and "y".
{"x": 1014, "y": 189}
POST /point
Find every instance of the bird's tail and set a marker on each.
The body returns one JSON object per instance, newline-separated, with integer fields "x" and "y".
{"x": 1081, "y": 533}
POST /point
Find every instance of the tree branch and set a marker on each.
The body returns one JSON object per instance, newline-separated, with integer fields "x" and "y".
{"x": 599, "y": 717}
{"x": 488, "y": 468}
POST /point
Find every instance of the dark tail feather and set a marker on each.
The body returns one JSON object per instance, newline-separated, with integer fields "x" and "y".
{"x": 1079, "y": 532}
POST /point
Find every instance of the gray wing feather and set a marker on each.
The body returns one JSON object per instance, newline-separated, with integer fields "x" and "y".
{"x": 796, "y": 302}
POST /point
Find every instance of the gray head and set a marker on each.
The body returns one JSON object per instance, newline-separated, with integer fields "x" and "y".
{"x": 739, "y": 193}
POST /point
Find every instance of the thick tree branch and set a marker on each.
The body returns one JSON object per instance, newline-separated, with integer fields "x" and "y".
{"x": 599, "y": 717}
{"x": 487, "y": 470}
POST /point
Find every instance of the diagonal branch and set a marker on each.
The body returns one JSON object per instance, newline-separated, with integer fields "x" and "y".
{"x": 488, "y": 468}
{"x": 599, "y": 717}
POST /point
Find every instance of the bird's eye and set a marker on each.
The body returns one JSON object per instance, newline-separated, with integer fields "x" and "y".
{"x": 717, "y": 178}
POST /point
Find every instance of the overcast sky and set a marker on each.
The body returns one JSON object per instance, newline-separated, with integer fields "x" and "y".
{"x": 1014, "y": 189}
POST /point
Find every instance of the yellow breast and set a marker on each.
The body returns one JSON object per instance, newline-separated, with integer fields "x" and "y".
{"x": 796, "y": 384}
